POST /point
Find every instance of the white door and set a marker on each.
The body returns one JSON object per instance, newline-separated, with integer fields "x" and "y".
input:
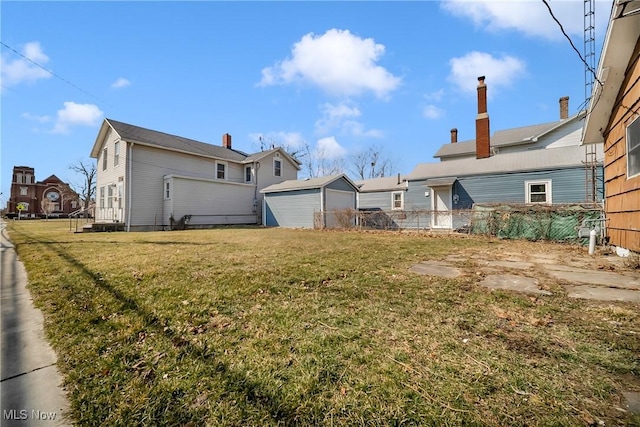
{"x": 441, "y": 206}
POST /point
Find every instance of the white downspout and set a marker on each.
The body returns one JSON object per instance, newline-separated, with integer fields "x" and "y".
{"x": 129, "y": 173}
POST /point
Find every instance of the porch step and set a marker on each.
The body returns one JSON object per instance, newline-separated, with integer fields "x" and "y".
{"x": 103, "y": 226}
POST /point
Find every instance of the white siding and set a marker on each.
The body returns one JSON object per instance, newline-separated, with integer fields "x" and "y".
{"x": 263, "y": 176}
{"x": 209, "y": 202}
{"x": 111, "y": 176}
{"x": 151, "y": 165}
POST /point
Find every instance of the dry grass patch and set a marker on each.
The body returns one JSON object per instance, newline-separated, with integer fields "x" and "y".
{"x": 251, "y": 326}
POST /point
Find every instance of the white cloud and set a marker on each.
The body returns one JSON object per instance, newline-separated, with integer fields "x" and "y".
{"x": 340, "y": 116}
{"x": 76, "y": 115}
{"x": 33, "y": 117}
{"x": 499, "y": 71}
{"x": 432, "y": 112}
{"x": 330, "y": 149}
{"x": 338, "y": 62}
{"x": 21, "y": 70}
{"x": 333, "y": 115}
{"x": 434, "y": 96}
{"x": 120, "y": 83}
{"x": 289, "y": 140}
{"x": 356, "y": 128}
{"x": 529, "y": 17}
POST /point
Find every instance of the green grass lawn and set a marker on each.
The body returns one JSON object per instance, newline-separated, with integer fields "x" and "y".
{"x": 251, "y": 326}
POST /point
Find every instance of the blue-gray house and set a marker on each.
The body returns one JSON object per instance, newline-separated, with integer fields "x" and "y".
{"x": 545, "y": 176}
{"x": 536, "y": 164}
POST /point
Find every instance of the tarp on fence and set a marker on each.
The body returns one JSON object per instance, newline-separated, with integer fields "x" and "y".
{"x": 533, "y": 222}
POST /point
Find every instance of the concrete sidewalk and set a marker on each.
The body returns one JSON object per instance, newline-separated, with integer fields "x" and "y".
{"x": 30, "y": 388}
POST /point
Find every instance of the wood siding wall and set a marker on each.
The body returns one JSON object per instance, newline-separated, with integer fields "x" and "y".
{"x": 623, "y": 194}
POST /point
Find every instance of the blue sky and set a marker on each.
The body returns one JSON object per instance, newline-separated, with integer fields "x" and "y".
{"x": 338, "y": 76}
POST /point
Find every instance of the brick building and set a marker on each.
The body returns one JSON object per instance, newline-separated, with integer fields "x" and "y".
{"x": 33, "y": 198}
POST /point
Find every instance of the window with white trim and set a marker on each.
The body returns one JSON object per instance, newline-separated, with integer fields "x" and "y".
{"x": 110, "y": 196}
{"x": 116, "y": 153}
{"x": 277, "y": 167}
{"x": 633, "y": 148}
{"x": 101, "y": 197}
{"x": 104, "y": 159}
{"x": 221, "y": 170}
{"x": 538, "y": 191}
{"x": 23, "y": 191}
{"x": 247, "y": 174}
{"x": 397, "y": 200}
{"x": 167, "y": 190}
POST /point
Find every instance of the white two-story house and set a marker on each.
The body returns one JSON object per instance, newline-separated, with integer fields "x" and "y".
{"x": 150, "y": 180}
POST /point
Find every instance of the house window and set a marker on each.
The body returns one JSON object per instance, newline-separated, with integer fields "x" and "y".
{"x": 247, "y": 174}
{"x": 221, "y": 170}
{"x": 102, "y": 197}
{"x": 74, "y": 204}
{"x": 104, "y": 159}
{"x": 633, "y": 148}
{"x": 167, "y": 190}
{"x": 109, "y": 196}
{"x": 116, "y": 154}
{"x": 538, "y": 191}
{"x": 19, "y": 178}
{"x": 277, "y": 167}
{"x": 397, "y": 200}
{"x": 23, "y": 191}
{"x": 28, "y": 179}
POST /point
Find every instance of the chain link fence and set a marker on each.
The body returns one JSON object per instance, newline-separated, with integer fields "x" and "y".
{"x": 562, "y": 223}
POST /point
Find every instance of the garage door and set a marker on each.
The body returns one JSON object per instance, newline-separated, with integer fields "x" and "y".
{"x": 339, "y": 208}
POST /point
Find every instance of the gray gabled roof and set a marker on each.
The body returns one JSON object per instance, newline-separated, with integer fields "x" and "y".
{"x": 307, "y": 184}
{"x": 262, "y": 154}
{"x": 173, "y": 142}
{"x": 153, "y": 138}
{"x": 521, "y": 161}
{"x": 515, "y": 136}
{"x": 387, "y": 183}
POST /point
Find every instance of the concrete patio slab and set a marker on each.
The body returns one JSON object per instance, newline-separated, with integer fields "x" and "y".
{"x": 602, "y": 293}
{"x": 592, "y": 277}
{"x": 633, "y": 401}
{"x": 520, "y": 265}
{"x": 435, "y": 269}
{"x": 513, "y": 283}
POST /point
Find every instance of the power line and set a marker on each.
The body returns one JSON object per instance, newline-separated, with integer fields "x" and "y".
{"x": 53, "y": 74}
{"x": 571, "y": 42}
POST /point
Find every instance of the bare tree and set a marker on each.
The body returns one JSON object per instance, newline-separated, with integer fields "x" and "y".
{"x": 47, "y": 206}
{"x": 371, "y": 163}
{"x": 317, "y": 163}
{"x": 87, "y": 190}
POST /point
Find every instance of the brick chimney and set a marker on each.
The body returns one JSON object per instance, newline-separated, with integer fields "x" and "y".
{"x": 454, "y": 135}
{"x": 226, "y": 141}
{"x": 564, "y": 107}
{"x": 483, "y": 144}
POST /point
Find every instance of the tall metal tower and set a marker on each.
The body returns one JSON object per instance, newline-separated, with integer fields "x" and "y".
{"x": 590, "y": 161}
